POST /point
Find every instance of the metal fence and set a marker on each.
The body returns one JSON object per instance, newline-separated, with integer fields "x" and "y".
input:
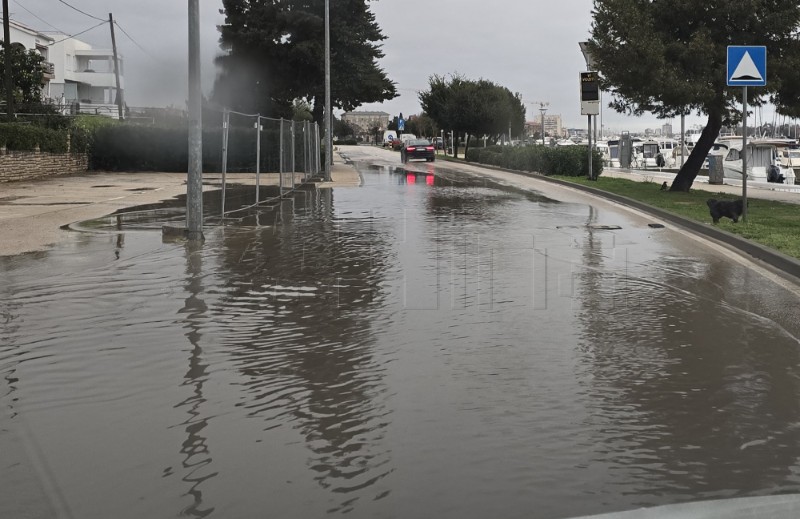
{"x": 285, "y": 147}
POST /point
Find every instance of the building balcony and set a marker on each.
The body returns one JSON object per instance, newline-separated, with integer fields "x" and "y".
{"x": 48, "y": 70}
{"x": 95, "y": 79}
{"x": 99, "y": 54}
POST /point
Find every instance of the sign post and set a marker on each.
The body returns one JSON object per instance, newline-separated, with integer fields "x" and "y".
{"x": 747, "y": 66}
{"x": 590, "y": 105}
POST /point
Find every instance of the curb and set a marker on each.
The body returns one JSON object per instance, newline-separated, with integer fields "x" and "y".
{"x": 782, "y": 264}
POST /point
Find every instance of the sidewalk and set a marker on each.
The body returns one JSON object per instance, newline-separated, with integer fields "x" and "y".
{"x": 32, "y": 213}
{"x": 762, "y": 190}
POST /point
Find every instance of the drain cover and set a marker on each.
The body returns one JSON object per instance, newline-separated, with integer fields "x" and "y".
{"x": 605, "y": 227}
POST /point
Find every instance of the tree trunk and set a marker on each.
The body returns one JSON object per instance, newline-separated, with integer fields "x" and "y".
{"x": 685, "y": 177}
{"x": 466, "y": 146}
{"x": 318, "y": 112}
{"x": 456, "y": 136}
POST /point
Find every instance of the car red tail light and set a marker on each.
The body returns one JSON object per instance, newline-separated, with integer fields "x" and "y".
{"x": 411, "y": 148}
{"x": 429, "y": 148}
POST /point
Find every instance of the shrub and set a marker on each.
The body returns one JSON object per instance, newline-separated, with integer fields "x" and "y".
{"x": 53, "y": 141}
{"x": 26, "y": 137}
{"x": 564, "y": 160}
{"x": 125, "y": 147}
{"x": 46, "y": 117}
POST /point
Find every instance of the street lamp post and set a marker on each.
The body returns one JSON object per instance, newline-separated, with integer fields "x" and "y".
{"x": 194, "y": 182}
{"x": 543, "y": 110}
{"x": 328, "y": 136}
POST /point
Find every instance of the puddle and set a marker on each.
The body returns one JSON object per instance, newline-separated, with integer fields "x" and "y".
{"x": 410, "y": 348}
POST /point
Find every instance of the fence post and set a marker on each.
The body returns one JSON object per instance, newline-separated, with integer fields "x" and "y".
{"x": 316, "y": 149}
{"x": 281, "y": 165}
{"x": 306, "y": 150}
{"x": 258, "y": 156}
{"x": 293, "y": 152}
{"x": 225, "y": 125}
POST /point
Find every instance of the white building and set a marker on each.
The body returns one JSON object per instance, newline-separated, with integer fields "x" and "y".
{"x": 32, "y": 39}
{"x": 85, "y": 75}
{"x": 77, "y": 76}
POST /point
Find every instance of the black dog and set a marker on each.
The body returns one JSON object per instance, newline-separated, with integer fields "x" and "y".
{"x": 664, "y": 186}
{"x": 730, "y": 209}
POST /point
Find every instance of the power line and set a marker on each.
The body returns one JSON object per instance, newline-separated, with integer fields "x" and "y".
{"x": 135, "y": 42}
{"x": 38, "y": 18}
{"x": 79, "y": 33}
{"x": 82, "y": 12}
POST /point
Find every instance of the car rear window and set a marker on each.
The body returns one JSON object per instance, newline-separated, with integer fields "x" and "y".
{"x": 419, "y": 142}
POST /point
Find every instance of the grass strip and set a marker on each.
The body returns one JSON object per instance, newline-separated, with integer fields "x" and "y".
{"x": 769, "y": 223}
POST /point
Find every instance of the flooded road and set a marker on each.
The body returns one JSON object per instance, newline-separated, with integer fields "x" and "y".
{"x": 430, "y": 344}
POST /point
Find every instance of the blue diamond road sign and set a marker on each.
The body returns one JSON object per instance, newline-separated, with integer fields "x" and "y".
{"x": 747, "y": 65}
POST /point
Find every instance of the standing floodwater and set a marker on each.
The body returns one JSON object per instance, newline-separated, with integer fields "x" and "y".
{"x": 422, "y": 346}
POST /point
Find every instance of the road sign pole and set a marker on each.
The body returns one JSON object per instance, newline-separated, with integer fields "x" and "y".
{"x": 744, "y": 154}
{"x": 589, "y": 132}
{"x": 747, "y": 66}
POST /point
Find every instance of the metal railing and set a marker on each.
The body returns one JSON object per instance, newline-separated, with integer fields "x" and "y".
{"x": 292, "y": 147}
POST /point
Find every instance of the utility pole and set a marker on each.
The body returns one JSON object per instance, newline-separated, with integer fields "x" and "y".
{"x": 328, "y": 136}
{"x": 9, "y": 83}
{"x": 194, "y": 183}
{"x": 116, "y": 65}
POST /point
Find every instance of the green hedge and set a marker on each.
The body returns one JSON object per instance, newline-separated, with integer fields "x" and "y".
{"x": 146, "y": 148}
{"x": 560, "y": 160}
{"x": 26, "y": 137}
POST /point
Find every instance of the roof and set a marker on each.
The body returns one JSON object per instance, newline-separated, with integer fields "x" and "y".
{"x": 24, "y": 28}
{"x": 366, "y": 114}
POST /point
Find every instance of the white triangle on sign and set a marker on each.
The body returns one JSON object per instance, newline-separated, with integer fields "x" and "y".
{"x": 746, "y": 70}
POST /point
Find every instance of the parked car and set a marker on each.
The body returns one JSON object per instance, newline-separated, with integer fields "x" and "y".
{"x": 438, "y": 143}
{"x": 396, "y": 144}
{"x": 418, "y": 149}
{"x": 388, "y": 137}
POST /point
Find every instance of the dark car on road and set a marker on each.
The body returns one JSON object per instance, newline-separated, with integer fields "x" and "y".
{"x": 418, "y": 149}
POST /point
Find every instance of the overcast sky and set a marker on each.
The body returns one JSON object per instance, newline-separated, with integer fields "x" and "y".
{"x": 529, "y": 46}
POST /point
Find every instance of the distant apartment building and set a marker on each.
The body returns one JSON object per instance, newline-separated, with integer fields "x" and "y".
{"x": 365, "y": 122}
{"x": 666, "y": 130}
{"x": 552, "y": 126}
{"x": 78, "y": 77}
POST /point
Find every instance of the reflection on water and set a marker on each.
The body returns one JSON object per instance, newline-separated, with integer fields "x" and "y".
{"x": 197, "y": 461}
{"x": 424, "y": 346}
